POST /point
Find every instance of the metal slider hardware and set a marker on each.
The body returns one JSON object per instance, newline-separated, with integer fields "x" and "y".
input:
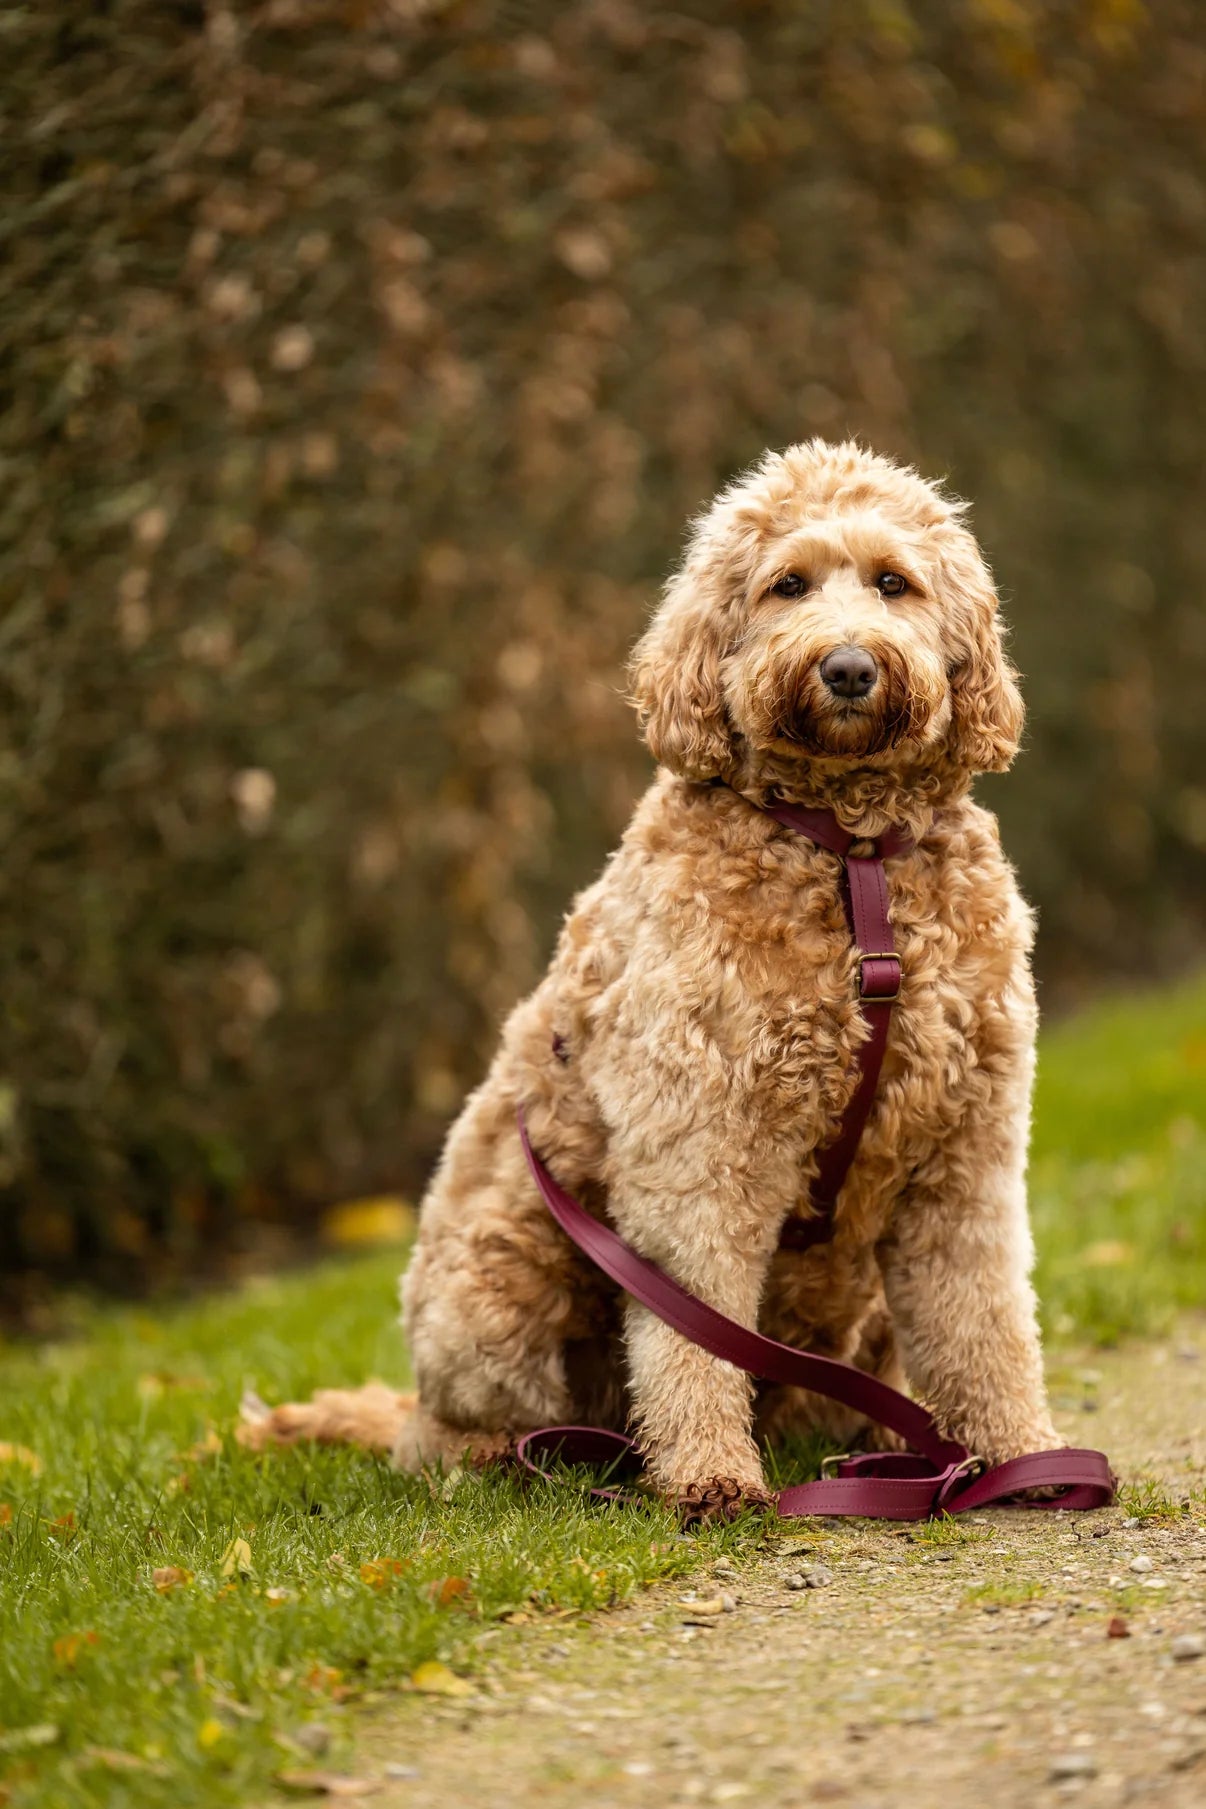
{"x": 878, "y": 998}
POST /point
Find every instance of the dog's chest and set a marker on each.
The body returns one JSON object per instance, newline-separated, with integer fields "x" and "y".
{"x": 963, "y": 947}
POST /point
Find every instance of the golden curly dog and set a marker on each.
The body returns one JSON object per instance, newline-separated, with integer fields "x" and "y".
{"x": 831, "y": 638}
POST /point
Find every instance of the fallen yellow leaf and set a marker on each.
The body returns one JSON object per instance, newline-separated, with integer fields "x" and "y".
{"x": 209, "y": 1446}
{"x": 24, "y": 1739}
{"x": 68, "y": 1647}
{"x": 209, "y": 1733}
{"x": 171, "y": 1576}
{"x": 356, "y": 1223}
{"x": 435, "y": 1679}
{"x": 20, "y": 1454}
{"x": 1111, "y": 1254}
{"x": 6, "y": 1514}
{"x": 378, "y": 1572}
{"x": 237, "y": 1556}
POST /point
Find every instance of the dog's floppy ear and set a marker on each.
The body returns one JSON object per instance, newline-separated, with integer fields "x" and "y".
{"x": 986, "y": 705}
{"x": 675, "y": 677}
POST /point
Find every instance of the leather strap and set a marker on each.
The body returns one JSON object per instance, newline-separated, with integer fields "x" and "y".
{"x": 865, "y": 897}
{"x": 736, "y": 1344}
{"x": 939, "y": 1476}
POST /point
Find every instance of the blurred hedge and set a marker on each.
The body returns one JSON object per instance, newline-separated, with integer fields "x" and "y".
{"x": 361, "y": 364}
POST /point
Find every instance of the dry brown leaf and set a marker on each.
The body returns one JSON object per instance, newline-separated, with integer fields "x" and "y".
{"x": 327, "y": 1783}
{"x": 64, "y": 1528}
{"x": 169, "y": 1577}
{"x": 323, "y": 1678}
{"x": 6, "y": 1514}
{"x": 446, "y": 1590}
{"x": 113, "y": 1760}
{"x": 435, "y": 1679}
{"x": 158, "y": 1382}
{"x": 20, "y": 1454}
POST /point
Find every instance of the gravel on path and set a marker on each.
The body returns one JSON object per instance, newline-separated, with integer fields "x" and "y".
{"x": 1020, "y": 1658}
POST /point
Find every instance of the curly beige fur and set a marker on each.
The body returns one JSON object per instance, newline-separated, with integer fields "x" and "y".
{"x": 703, "y": 1001}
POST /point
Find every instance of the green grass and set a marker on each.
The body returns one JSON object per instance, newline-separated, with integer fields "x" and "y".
{"x": 1146, "y": 1498}
{"x": 210, "y": 1682}
{"x": 1009, "y": 1593}
{"x": 114, "y": 1694}
{"x": 943, "y": 1531}
{"x": 1118, "y": 1171}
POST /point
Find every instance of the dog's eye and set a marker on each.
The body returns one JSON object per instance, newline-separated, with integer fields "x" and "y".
{"x": 891, "y": 584}
{"x": 791, "y": 586}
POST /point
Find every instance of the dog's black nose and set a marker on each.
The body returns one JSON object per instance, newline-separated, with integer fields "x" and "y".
{"x": 849, "y": 671}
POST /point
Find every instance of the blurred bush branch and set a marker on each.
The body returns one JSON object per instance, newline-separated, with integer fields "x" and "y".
{"x": 361, "y": 365}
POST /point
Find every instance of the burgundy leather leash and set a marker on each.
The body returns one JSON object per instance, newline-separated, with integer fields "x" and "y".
{"x": 938, "y": 1475}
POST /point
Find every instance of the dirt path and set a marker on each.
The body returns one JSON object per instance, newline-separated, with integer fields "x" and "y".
{"x": 972, "y": 1672}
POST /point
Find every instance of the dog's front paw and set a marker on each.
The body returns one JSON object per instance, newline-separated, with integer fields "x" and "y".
{"x": 720, "y": 1498}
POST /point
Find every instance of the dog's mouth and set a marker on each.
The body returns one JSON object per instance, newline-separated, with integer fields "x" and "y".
{"x": 836, "y": 726}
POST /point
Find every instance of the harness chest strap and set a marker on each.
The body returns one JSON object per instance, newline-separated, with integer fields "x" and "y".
{"x": 865, "y": 897}
{"x": 938, "y": 1475}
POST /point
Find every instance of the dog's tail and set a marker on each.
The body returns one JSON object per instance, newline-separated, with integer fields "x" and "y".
{"x": 372, "y": 1417}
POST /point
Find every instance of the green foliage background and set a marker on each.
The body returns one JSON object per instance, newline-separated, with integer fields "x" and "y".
{"x": 361, "y": 364}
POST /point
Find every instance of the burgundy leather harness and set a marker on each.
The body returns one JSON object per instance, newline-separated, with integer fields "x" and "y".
{"x": 937, "y": 1475}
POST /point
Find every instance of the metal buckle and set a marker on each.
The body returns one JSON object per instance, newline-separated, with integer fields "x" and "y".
{"x": 839, "y": 1457}
{"x": 878, "y": 998}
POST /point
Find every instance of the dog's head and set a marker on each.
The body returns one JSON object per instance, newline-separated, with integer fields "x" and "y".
{"x": 831, "y": 607}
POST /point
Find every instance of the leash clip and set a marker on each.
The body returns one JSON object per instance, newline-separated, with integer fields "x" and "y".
{"x": 827, "y": 1463}
{"x": 970, "y": 1467}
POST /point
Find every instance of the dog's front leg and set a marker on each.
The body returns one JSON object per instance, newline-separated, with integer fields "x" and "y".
{"x": 956, "y": 1272}
{"x": 708, "y": 1212}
